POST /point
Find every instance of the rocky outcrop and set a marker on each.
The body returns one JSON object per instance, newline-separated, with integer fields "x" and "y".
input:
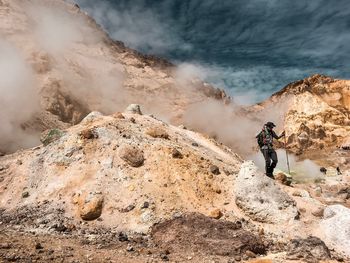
{"x": 108, "y": 168}
{"x": 261, "y": 198}
{"x": 336, "y": 228}
{"x": 315, "y": 114}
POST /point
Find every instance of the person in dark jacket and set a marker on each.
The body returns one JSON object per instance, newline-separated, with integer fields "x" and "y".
{"x": 265, "y": 141}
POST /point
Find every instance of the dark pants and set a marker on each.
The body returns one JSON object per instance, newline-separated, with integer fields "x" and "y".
{"x": 270, "y": 161}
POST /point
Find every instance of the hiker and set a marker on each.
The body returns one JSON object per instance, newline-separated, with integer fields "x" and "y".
{"x": 265, "y": 141}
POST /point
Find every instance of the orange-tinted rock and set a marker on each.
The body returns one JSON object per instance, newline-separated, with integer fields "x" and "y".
{"x": 216, "y": 213}
{"x": 90, "y": 206}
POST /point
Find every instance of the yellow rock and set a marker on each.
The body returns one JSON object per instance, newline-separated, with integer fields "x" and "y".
{"x": 90, "y": 206}
{"x": 216, "y": 213}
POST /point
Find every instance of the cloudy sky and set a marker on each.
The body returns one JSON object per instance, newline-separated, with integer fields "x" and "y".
{"x": 251, "y": 48}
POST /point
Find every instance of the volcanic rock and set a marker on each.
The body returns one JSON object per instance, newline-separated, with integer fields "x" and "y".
{"x": 90, "y": 206}
{"x": 318, "y": 212}
{"x": 208, "y": 236}
{"x": 214, "y": 169}
{"x": 311, "y": 249}
{"x": 38, "y": 246}
{"x": 122, "y": 237}
{"x": 132, "y": 155}
{"x": 216, "y": 214}
{"x": 345, "y": 191}
{"x": 260, "y": 198}
{"x": 283, "y": 179}
{"x": 175, "y": 153}
{"x": 91, "y": 178}
{"x": 25, "y": 194}
{"x": 336, "y": 228}
{"x": 88, "y": 134}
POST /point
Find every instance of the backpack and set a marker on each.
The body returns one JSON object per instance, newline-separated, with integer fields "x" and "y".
{"x": 260, "y": 138}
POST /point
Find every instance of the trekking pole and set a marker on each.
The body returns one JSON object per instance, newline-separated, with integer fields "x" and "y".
{"x": 285, "y": 147}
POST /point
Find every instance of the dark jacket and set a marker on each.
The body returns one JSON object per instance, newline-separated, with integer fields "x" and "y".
{"x": 265, "y": 138}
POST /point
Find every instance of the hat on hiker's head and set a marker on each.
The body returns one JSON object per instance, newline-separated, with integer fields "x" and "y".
{"x": 270, "y": 124}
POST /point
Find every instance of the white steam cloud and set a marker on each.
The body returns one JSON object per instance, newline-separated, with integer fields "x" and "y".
{"x": 58, "y": 51}
{"x": 302, "y": 170}
{"x": 18, "y": 100}
{"x": 84, "y": 77}
{"x": 57, "y": 30}
{"x": 229, "y": 123}
{"x": 246, "y": 85}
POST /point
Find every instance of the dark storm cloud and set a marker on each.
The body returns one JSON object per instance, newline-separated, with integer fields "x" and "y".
{"x": 256, "y": 46}
{"x": 136, "y": 25}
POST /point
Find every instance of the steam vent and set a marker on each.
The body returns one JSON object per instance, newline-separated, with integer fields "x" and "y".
{"x": 137, "y": 131}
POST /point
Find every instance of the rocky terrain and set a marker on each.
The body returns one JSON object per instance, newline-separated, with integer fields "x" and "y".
{"x": 108, "y": 182}
{"x": 130, "y": 174}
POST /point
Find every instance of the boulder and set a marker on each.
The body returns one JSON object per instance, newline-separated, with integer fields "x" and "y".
{"x": 311, "y": 249}
{"x": 90, "y": 206}
{"x": 283, "y": 179}
{"x": 336, "y": 228}
{"x": 260, "y": 197}
{"x": 133, "y": 156}
{"x": 133, "y": 109}
{"x": 318, "y": 212}
{"x": 216, "y": 214}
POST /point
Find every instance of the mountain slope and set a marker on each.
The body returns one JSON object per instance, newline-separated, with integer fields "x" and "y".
{"x": 61, "y": 65}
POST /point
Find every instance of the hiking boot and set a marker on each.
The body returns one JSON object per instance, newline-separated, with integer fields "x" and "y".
{"x": 271, "y": 176}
